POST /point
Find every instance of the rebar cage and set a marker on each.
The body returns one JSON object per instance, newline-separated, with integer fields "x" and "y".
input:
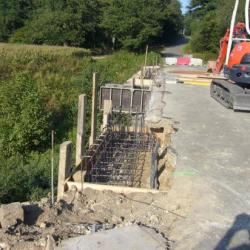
{"x": 120, "y": 158}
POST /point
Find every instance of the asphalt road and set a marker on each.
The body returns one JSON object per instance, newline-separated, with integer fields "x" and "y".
{"x": 213, "y": 166}
{"x": 175, "y": 49}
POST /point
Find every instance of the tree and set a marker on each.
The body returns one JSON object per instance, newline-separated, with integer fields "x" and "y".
{"x": 206, "y": 37}
{"x": 207, "y": 21}
{"x": 74, "y": 23}
{"x": 13, "y": 14}
{"x": 137, "y": 23}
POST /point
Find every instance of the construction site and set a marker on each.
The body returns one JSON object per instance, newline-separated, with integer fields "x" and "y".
{"x": 155, "y": 175}
{"x": 166, "y": 165}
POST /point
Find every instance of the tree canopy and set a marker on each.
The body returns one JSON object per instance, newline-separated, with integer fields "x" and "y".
{"x": 207, "y": 21}
{"x": 90, "y": 23}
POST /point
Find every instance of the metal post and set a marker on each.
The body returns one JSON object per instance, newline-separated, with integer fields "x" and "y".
{"x": 230, "y": 42}
{"x": 52, "y": 167}
{"x": 247, "y": 16}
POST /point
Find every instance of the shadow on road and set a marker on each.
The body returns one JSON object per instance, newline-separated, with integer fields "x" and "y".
{"x": 241, "y": 223}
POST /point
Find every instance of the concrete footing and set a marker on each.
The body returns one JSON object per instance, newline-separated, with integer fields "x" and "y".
{"x": 107, "y": 112}
{"x": 65, "y": 163}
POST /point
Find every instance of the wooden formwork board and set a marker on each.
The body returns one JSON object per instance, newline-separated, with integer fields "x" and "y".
{"x": 117, "y": 189}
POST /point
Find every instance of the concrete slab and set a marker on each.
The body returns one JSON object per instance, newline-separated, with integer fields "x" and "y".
{"x": 214, "y": 165}
{"x": 126, "y": 238}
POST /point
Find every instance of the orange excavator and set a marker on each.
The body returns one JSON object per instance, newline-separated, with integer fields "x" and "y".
{"x": 234, "y": 63}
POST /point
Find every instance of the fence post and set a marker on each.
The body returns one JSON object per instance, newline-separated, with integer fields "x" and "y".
{"x": 65, "y": 162}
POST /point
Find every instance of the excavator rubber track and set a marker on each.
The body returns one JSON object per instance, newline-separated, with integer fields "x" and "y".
{"x": 230, "y": 95}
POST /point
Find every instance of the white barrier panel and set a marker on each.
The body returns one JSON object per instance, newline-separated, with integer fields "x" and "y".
{"x": 171, "y": 60}
{"x": 196, "y": 62}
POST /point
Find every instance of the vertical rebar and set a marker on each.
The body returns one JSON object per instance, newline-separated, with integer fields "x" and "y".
{"x": 52, "y": 167}
{"x": 94, "y": 111}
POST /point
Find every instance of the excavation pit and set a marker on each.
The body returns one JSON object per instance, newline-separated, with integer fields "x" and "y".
{"x": 127, "y": 159}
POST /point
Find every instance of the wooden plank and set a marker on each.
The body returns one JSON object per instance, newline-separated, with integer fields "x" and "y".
{"x": 190, "y": 76}
{"x": 213, "y": 77}
{"x": 116, "y": 189}
{"x": 194, "y": 80}
{"x": 197, "y": 83}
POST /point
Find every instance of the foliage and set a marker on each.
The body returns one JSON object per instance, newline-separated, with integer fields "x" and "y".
{"x": 90, "y": 23}
{"x": 24, "y": 122}
{"x": 207, "y": 21}
{"x": 13, "y": 14}
{"x": 22, "y": 180}
{"x": 73, "y": 24}
{"x": 206, "y": 37}
{"x": 136, "y": 23}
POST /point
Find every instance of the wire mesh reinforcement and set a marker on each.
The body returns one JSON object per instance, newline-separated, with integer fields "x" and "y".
{"x": 120, "y": 158}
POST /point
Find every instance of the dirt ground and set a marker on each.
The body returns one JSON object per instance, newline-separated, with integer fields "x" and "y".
{"x": 89, "y": 212}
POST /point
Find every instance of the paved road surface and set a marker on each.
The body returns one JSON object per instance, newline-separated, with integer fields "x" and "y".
{"x": 213, "y": 167}
{"x": 175, "y": 49}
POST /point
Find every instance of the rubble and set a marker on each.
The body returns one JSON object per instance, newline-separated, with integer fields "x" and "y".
{"x": 91, "y": 211}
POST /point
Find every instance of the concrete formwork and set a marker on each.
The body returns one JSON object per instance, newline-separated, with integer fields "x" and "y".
{"x": 107, "y": 112}
{"x": 81, "y": 129}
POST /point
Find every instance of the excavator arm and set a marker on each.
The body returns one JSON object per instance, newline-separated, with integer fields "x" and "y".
{"x": 239, "y": 32}
{"x": 223, "y": 53}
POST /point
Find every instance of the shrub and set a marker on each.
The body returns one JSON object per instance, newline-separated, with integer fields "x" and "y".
{"x": 24, "y": 121}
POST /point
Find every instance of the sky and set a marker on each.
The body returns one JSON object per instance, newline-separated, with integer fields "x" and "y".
{"x": 184, "y": 4}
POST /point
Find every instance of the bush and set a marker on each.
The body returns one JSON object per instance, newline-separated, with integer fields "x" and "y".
{"x": 24, "y": 121}
{"x": 26, "y": 179}
{"x": 51, "y": 28}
